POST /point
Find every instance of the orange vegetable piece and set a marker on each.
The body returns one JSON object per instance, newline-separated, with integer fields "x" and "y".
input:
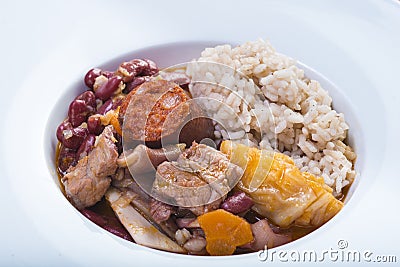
{"x": 115, "y": 122}
{"x": 224, "y": 232}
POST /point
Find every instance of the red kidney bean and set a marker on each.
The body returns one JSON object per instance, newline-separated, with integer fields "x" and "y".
{"x": 151, "y": 69}
{"x": 106, "y": 107}
{"x": 65, "y": 125}
{"x": 106, "y": 90}
{"x": 66, "y": 158}
{"x": 116, "y": 103}
{"x": 94, "y": 125}
{"x": 107, "y": 73}
{"x": 71, "y": 137}
{"x": 91, "y": 76}
{"x": 77, "y": 112}
{"x": 135, "y": 82}
{"x": 237, "y": 203}
{"x": 86, "y": 146}
{"x": 81, "y": 108}
{"x": 78, "y": 135}
{"x": 88, "y": 97}
{"x": 130, "y": 69}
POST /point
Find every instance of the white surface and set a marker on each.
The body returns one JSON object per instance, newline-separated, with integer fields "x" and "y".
{"x": 46, "y": 46}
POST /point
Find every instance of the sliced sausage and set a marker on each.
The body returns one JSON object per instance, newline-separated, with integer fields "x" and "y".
{"x": 160, "y": 110}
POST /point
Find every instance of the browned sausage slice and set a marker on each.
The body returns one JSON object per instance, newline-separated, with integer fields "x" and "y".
{"x": 160, "y": 109}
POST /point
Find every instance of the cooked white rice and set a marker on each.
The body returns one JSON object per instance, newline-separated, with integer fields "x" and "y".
{"x": 264, "y": 100}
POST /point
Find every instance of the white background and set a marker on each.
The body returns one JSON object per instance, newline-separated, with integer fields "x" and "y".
{"x": 47, "y": 45}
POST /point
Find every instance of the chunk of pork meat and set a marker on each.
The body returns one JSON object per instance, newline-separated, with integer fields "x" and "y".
{"x": 87, "y": 182}
{"x": 199, "y": 180}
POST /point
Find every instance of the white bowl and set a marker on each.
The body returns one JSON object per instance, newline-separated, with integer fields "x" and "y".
{"x": 354, "y": 45}
{"x": 166, "y": 55}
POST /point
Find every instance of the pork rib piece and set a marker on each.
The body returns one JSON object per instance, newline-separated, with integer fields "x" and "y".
{"x": 87, "y": 182}
{"x": 199, "y": 180}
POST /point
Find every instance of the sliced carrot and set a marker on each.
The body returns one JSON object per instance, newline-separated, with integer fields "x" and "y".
{"x": 115, "y": 122}
{"x": 224, "y": 232}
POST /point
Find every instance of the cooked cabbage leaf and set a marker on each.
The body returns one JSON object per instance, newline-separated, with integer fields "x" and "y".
{"x": 281, "y": 192}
